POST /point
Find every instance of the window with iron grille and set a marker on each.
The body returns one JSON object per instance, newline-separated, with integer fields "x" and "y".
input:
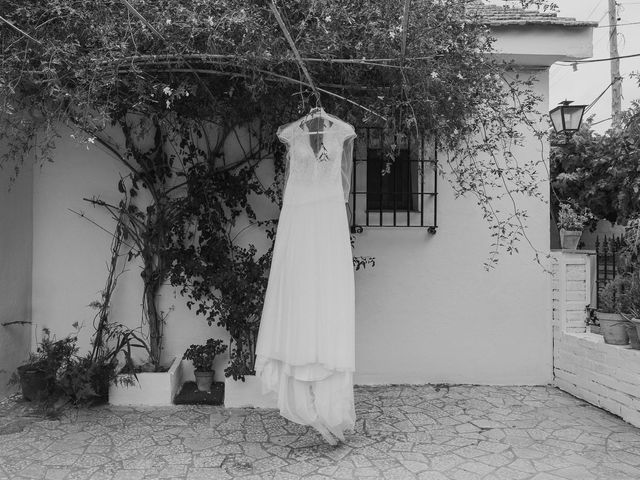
{"x": 393, "y": 191}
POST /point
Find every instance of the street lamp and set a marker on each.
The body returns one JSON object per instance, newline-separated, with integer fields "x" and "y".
{"x": 566, "y": 118}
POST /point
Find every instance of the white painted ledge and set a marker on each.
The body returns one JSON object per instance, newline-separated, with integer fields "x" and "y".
{"x": 607, "y": 376}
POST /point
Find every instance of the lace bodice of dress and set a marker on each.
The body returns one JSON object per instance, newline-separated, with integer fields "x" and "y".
{"x": 319, "y": 160}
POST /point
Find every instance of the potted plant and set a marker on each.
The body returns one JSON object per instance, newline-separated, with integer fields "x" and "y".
{"x": 202, "y": 357}
{"x": 629, "y": 265}
{"x": 38, "y": 376}
{"x": 571, "y": 221}
{"x": 634, "y": 319}
{"x": 33, "y": 379}
{"x": 592, "y": 321}
{"x": 612, "y": 323}
{"x": 628, "y": 308}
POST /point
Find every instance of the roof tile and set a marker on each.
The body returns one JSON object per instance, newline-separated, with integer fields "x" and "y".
{"x": 498, "y": 15}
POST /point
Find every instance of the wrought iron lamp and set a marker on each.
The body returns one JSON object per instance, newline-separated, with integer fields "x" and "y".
{"x": 566, "y": 118}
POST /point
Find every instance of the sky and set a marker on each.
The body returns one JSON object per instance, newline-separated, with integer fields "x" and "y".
{"x": 584, "y": 85}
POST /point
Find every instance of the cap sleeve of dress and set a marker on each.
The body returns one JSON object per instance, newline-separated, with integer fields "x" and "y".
{"x": 347, "y": 160}
{"x": 285, "y": 133}
{"x": 349, "y": 131}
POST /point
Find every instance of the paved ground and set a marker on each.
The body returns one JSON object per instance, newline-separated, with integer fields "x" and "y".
{"x": 403, "y": 432}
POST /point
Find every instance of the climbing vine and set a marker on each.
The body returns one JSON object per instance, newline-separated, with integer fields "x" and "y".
{"x": 199, "y": 76}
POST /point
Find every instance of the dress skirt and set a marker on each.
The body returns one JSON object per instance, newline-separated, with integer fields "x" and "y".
{"x": 305, "y": 349}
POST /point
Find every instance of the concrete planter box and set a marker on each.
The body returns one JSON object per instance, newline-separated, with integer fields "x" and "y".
{"x": 152, "y": 388}
{"x": 238, "y": 394}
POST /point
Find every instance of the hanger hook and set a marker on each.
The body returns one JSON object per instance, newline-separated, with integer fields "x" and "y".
{"x": 318, "y": 101}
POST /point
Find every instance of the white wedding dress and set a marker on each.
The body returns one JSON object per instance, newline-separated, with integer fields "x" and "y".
{"x": 305, "y": 350}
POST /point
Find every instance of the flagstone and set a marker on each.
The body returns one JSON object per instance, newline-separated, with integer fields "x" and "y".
{"x": 626, "y": 457}
{"x": 507, "y": 473}
{"x": 201, "y": 461}
{"x": 128, "y": 475}
{"x": 431, "y": 475}
{"x": 300, "y": 468}
{"x": 546, "y": 476}
{"x": 99, "y": 475}
{"x": 575, "y": 473}
{"x": 458, "y": 474}
{"x": 403, "y": 432}
{"x": 445, "y": 462}
{"x": 621, "y": 467}
{"x": 33, "y": 471}
{"x": 497, "y": 459}
{"x": 413, "y": 466}
{"x": 207, "y": 474}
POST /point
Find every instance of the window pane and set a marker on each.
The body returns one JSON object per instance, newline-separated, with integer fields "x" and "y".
{"x": 390, "y": 185}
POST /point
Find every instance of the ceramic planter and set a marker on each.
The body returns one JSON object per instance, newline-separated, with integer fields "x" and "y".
{"x": 152, "y": 388}
{"x": 239, "y": 394}
{"x": 204, "y": 380}
{"x": 569, "y": 239}
{"x": 634, "y": 341}
{"x": 33, "y": 383}
{"x": 636, "y": 323}
{"x": 613, "y": 328}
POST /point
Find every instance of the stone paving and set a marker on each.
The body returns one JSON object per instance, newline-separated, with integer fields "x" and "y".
{"x": 403, "y": 432}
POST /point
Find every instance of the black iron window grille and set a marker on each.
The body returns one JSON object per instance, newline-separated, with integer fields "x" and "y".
{"x": 606, "y": 261}
{"x": 394, "y": 190}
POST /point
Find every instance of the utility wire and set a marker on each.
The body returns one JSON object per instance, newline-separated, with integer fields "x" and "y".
{"x": 601, "y": 121}
{"x": 600, "y": 96}
{"x": 618, "y": 25}
{"x": 594, "y": 9}
{"x": 599, "y": 60}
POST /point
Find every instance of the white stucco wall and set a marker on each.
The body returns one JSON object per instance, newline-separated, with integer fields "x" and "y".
{"x": 430, "y": 312}
{"x": 70, "y": 255}
{"x": 15, "y": 269}
{"x": 542, "y": 45}
{"x": 427, "y": 312}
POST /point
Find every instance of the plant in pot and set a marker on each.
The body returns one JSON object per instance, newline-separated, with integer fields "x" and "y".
{"x": 202, "y": 357}
{"x": 571, "y": 222}
{"x": 613, "y": 300}
{"x": 629, "y": 265}
{"x": 628, "y": 307}
{"x": 38, "y": 376}
{"x": 591, "y": 321}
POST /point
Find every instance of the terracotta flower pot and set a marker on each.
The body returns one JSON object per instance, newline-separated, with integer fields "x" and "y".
{"x": 204, "y": 380}
{"x": 569, "y": 239}
{"x": 613, "y": 328}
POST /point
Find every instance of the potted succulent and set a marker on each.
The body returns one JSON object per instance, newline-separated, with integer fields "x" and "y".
{"x": 611, "y": 302}
{"x": 202, "y": 357}
{"x": 571, "y": 221}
